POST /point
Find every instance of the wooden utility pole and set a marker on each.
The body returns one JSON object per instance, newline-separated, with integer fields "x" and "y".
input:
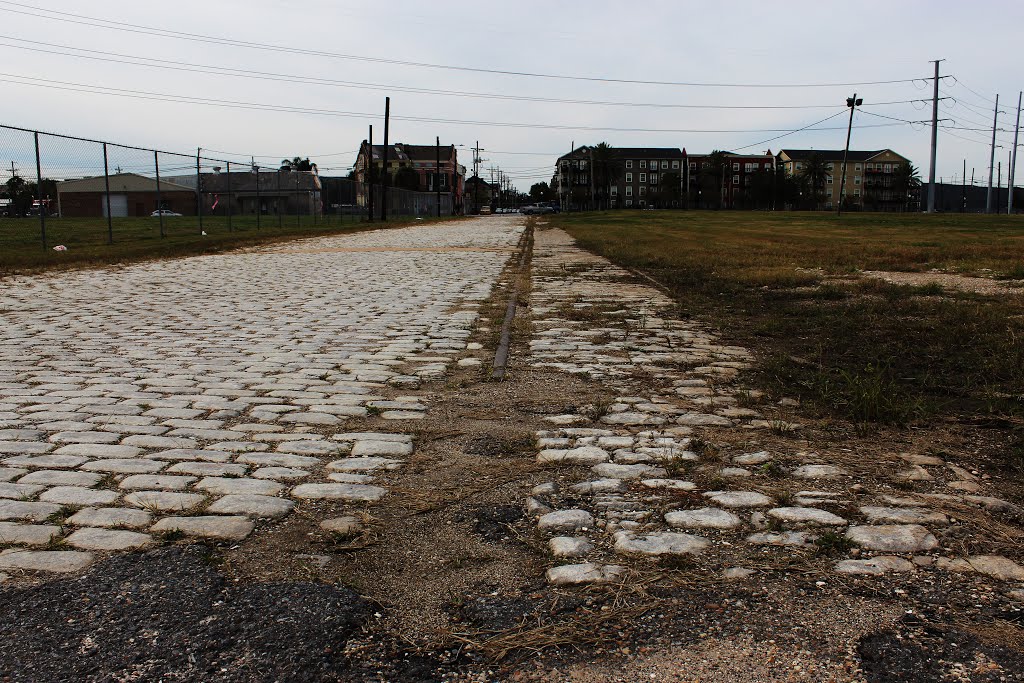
{"x": 384, "y": 177}
{"x": 437, "y": 172}
{"x": 368, "y": 172}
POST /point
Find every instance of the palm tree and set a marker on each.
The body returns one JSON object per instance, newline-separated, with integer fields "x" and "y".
{"x": 906, "y": 180}
{"x": 815, "y": 172}
{"x": 601, "y": 167}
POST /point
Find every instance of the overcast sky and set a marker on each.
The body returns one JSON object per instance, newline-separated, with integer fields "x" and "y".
{"x": 747, "y": 42}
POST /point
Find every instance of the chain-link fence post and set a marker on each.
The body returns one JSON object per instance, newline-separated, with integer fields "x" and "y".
{"x": 199, "y": 191}
{"x": 159, "y": 201}
{"x": 106, "y": 184}
{"x": 39, "y": 192}
{"x": 259, "y": 201}
{"x": 277, "y": 203}
{"x": 231, "y": 199}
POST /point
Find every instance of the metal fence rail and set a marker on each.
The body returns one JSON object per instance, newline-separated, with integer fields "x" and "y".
{"x": 70, "y": 189}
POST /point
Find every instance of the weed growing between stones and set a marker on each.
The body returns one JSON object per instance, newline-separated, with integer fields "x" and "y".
{"x": 833, "y": 543}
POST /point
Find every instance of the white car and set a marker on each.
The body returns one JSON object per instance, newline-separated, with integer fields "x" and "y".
{"x": 164, "y": 212}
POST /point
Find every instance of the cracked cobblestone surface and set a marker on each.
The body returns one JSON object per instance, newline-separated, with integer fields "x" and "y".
{"x": 621, "y": 473}
{"x": 208, "y": 396}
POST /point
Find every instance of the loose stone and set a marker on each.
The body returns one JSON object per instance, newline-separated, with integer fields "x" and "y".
{"x": 27, "y": 534}
{"x": 739, "y": 499}
{"x": 893, "y": 538}
{"x": 565, "y": 520}
{"x": 799, "y": 515}
{"x": 229, "y": 486}
{"x": 575, "y": 574}
{"x": 903, "y": 516}
{"x": 107, "y": 539}
{"x": 255, "y": 506}
{"x": 350, "y": 492}
{"x": 58, "y": 561}
{"x": 875, "y": 566}
{"x": 570, "y": 546}
{"x": 111, "y": 517}
{"x": 704, "y": 518}
{"x": 164, "y": 500}
{"x": 77, "y": 496}
{"x": 220, "y": 528}
{"x": 659, "y": 543}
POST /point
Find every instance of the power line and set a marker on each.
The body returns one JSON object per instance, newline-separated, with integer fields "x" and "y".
{"x": 810, "y": 125}
{"x": 98, "y": 22}
{"x": 234, "y": 104}
{"x": 191, "y": 67}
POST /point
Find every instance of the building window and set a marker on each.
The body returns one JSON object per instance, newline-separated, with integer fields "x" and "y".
{"x": 643, "y": 163}
{"x": 748, "y": 168}
{"x": 856, "y": 193}
{"x": 654, "y": 163}
{"x": 664, "y": 164}
{"x": 856, "y": 180}
{"x": 615, "y": 190}
{"x": 643, "y": 203}
{"x": 735, "y": 180}
{"x": 654, "y": 179}
{"x": 629, "y": 202}
{"x": 799, "y": 167}
{"x": 675, "y": 163}
{"x": 830, "y": 166}
{"x": 767, "y": 166}
{"x": 888, "y": 168}
{"x": 643, "y": 190}
{"x": 629, "y": 163}
{"x": 857, "y": 167}
{"x": 828, "y": 179}
{"x": 693, "y": 165}
{"x": 643, "y": 176}
{"x": 736, "y": 166}
{"x": 828, "y": 205}
{"x": 629, "y": 190}
{"x": 629, "y": 177}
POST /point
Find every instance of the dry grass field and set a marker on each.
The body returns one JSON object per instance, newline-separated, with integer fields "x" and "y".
{"x": 849, "y": 345}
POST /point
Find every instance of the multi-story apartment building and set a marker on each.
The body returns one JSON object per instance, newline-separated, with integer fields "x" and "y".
{"x": 727, "y": 180}
{"x": 620, "y": 177}
{"x": 873, "y": 178}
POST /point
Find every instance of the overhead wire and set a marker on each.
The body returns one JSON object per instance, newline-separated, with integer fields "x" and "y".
{"x": 98, "y": 22}
{"x": 191, "y": 67}
{"x": 235, "y": 104}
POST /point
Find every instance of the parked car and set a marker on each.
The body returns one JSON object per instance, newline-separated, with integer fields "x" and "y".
{"x": 485, "y": 210}
{"x": 164, "y": 212}
{"x": 536, "y": 209}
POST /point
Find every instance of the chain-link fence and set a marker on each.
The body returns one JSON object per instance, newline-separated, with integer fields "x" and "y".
{"x": 63, "y": 191}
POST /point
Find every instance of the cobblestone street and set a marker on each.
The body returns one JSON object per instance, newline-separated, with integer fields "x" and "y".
{"x": 195, "y": 397}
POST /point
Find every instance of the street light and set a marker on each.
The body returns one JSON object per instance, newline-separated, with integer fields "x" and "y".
{"x": 852, "y": 103}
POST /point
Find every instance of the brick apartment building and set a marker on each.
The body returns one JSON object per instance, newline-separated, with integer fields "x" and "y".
{"x": 420, "y": 158}
{"x": 728, "y": 180}
{"x": 620, "y": 177}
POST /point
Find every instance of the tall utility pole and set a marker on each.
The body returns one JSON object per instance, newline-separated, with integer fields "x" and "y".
{"x": 935, "y": 139}
{"x": 384, "y": 177}
{"x": 437, "y": 172}
{"x": 963, "y": 182}
{"x": 199, "y": 190}
{"x": 368, "y": 171}
{"x": 852, "y": 103}
{"x": 992, "y": 159}
{"x": 1013, "y": 156}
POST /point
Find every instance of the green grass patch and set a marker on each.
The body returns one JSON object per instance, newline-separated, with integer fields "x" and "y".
{"x": 136, "y": 239}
